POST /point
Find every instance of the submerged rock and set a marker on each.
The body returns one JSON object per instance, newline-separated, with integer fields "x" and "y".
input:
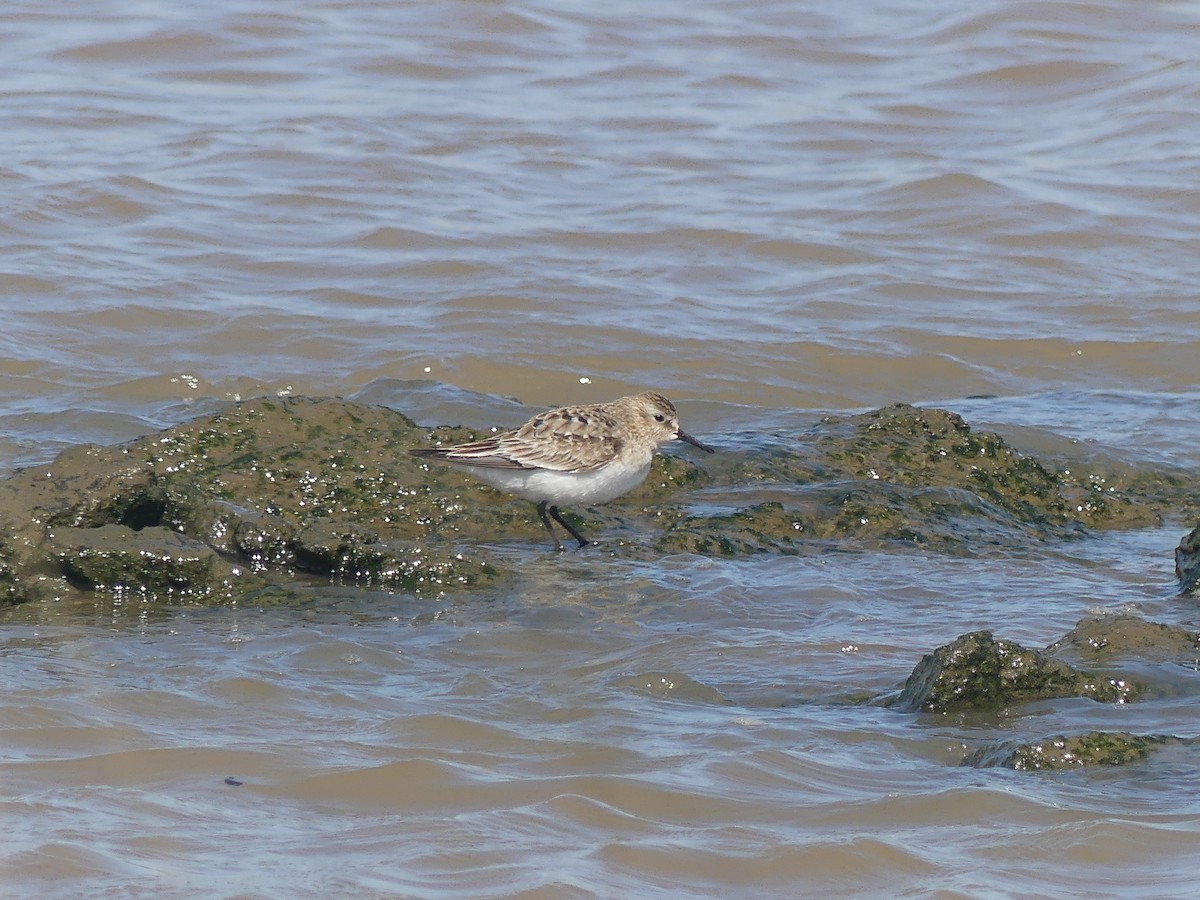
{"x": 1103, "y": 639}
{"x": 1095, "y": 748}
{"x": 672, "y": 686}
{"x": 977, "y": 671}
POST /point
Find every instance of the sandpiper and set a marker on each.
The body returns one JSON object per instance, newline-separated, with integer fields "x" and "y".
{"x": 573, "y": 454}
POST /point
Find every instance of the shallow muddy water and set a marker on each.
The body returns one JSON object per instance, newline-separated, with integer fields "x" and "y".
{"x": 473, "y": 210}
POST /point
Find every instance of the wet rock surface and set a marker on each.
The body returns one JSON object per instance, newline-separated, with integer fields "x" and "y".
{"x": 271, "y": 489}
{"x": 918, "y": 477}
{"x": 1187, "y": 562}
{"x": 153, "y": 560}
{"x": 978, "y": 672}
{"x": 1096, "y": 748}
{"x": 257, "y": 495}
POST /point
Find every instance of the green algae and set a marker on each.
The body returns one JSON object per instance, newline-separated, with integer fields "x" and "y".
{"x": 1093, "y": 748}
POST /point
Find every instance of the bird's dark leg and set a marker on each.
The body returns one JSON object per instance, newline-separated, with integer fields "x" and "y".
{"x": 583, "y": 542}
{"x": 550, "y": 528}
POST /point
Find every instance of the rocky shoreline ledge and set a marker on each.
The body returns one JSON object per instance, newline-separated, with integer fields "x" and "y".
{"x": 267, "y": 494}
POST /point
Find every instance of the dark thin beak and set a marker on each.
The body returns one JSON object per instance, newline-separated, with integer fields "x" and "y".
{"x": 684, "y": 436}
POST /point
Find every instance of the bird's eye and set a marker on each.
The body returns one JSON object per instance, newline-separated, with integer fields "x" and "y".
{"x": 659, "y": 417}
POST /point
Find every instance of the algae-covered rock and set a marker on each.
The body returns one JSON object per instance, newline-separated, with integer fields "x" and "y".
{"x": 265, "y": 487}
{"x": 977, "y": 671}
{"x": 1102, "y": 639}
{"x": 1187, "y": 562}
{"x": 1095, "y": 748}
{"x": 905, "y": 445}
{"x": 154, "y": 560}
{"x": 325, "y": 487}
{"x": 907, "y": 476}
{"x": 763, "y": 528}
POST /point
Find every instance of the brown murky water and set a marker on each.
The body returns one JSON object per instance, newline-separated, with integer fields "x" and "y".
{"x": 766, "y": 211}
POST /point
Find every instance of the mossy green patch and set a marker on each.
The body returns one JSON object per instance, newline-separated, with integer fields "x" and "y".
{"x": 1093, "y": 748}
{"x": 977, "y": 671}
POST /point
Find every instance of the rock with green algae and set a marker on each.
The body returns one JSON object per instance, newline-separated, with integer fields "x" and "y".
{"x": 1094, "y": 748}
{"x": 762, "y": 528}
{"x": 903, "y": 444}
{"x": 263, "y": 488}
{"x": 908, "y": 476}
{"x": 325, "y": 487}
{"x": 152, "y": 560}
{"x": 977, "y": 671}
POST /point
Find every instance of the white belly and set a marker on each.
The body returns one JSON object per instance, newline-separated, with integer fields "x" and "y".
{"x": 565, "y": 488}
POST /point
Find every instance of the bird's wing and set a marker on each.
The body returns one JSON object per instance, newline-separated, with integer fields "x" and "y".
{"x": 562, "y": 440}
